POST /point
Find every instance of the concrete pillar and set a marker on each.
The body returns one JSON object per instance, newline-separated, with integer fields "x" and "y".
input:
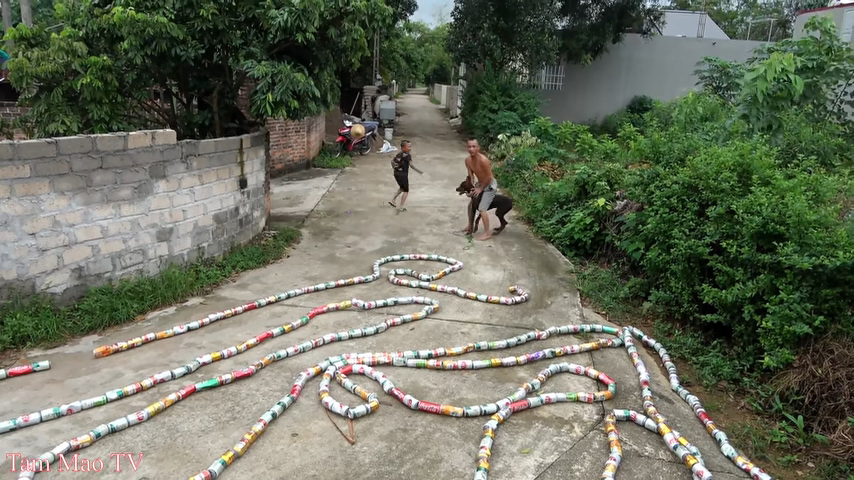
{"x": 368, "y": 93}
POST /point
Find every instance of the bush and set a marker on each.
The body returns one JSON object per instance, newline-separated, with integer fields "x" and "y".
{"x": 495, "y": 103}
{"x": 728, "y": 211}
{"x": 731, "y": 239}
{"x": 725, "y": 227}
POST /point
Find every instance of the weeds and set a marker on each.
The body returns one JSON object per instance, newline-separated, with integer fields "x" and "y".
{"x": 38, "y": 321}
{"x": 327, "y": 159}
{"x": 606, "y": 288}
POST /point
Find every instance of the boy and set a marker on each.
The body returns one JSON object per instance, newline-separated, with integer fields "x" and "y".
{"x": 400, "y": 165}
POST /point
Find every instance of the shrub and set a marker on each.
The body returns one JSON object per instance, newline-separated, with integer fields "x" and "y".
{"x": 738, "y": 231}
{"x": 731, "y": 239}
{"x": 495, "y": 103}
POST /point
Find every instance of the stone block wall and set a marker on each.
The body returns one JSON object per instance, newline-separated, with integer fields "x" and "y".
{"x": 81, "y": 211}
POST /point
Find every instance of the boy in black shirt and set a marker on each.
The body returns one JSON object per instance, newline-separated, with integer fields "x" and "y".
{"x": 400, "y": 165}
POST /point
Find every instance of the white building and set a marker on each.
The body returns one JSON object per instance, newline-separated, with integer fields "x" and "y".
{"x": 842, "y": 15}
{"x": 683, "y": 23}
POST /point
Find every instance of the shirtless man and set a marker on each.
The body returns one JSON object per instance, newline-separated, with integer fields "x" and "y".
{"x": 478, "y": 166}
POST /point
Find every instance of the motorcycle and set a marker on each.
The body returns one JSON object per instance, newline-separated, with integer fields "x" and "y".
{"x": 363, "y": 144}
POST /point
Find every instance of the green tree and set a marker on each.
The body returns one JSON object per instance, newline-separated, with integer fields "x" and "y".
{"x": 402, "y": 54}
{"x": 42, "y": 11}
{"x": 413, "y": 53}
{"x": 403, "y": 9}
{"x": 772, "y": 18}
{"x": 812, "y": 75}
{"x": 527, "y": 34}
{"x": 440, "y": 65}
{"x": 98, "y": 73}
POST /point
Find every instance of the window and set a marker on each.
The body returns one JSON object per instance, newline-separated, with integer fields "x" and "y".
{"x": 549, "y": 78}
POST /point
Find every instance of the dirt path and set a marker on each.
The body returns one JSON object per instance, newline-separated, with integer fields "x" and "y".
{"x": 347, "y": 231}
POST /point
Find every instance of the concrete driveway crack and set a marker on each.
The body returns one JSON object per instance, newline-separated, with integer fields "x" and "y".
{"x": 583, "y": 437}
{"x": 324, "y": 195}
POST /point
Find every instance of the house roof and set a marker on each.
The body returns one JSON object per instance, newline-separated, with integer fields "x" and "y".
{"x": 684, "y": 23}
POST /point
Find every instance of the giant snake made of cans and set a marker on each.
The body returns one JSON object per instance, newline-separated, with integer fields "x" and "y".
{"x": 342, "y": 367}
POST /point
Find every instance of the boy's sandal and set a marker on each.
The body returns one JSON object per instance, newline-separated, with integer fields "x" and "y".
{"x": 392, "y": 204}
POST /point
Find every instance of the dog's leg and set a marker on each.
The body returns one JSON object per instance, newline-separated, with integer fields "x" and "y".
{"x": 502, "y": 210}
{"x": 470, "y": 222}
{"x": 474, "y": 218}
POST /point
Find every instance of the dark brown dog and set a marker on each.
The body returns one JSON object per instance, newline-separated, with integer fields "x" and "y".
{"x": 501, "y": 203}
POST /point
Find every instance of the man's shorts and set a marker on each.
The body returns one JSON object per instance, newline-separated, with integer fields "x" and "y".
{"x": 487, "y": 196}
{"x": 402, "y": 181}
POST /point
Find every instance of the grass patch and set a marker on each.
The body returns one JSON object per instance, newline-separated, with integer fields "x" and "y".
{"x": 435, "y": 101}
{"x": 327, "y": 159}
{"x": 37, "y": 321}
{"x": 607, "y": 290}
{"x": 714, "y": 363}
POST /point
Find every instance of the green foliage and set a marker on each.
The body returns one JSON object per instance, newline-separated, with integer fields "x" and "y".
{"x": 729, "y": 238}
{"x": 529, "y": 35}
{"x": 633, "y": 115}
{"x": 439, "y": 65}
{"x": 726, "y": 228}
{"x": 609, "y": 290}
{"x": 135, "y": 64}
{"x": 403, "y": 9}
{"x": 712, "y": 361}
{"x": 42, "y": 10}
{"x": 36, "y": 321}
{"x": 326, "y": 159}
{"x": 415, "y": 53}
{"x": 773, "y": 22}
{"x": 720, "y": 77}
{"x": 812, "y": 74}
{"x": 494, "y": 103}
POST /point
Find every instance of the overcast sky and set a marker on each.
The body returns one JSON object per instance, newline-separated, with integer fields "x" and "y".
{"x": 428, "y": 10}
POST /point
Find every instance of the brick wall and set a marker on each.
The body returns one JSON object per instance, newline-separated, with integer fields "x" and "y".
{"x": 293, "y": 143}
{"x": 80, "y": 211}
{"x": 11, "y": 110}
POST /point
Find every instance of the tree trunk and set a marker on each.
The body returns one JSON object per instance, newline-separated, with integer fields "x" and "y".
{"x": 27, "y": 13}
{"x": 7, "y": 14}
{"x": 7, "y": 18}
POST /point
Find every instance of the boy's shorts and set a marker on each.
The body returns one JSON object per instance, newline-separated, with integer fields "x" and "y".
{"x": 402, "y": 182}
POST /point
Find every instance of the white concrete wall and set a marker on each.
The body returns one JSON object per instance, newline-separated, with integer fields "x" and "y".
{"x": 660, "y": 67}
{"x": 842, "y": 15}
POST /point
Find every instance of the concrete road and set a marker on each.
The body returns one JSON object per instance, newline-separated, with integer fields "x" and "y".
{"x": 350, "y": 226}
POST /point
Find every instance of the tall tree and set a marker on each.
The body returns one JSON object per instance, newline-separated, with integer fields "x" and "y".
{"x": 527, "y": 34}
{"x": 99, "y": 72}
{"x": 416, "y": 53}
{"x": 403, "y": 9}
{"x": 389, "y": 32}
